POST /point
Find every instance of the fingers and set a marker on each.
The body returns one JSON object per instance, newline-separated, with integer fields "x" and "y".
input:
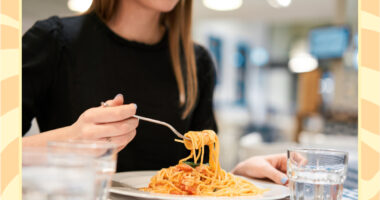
{"x": 282, "y": 162}
{"x": 122, "y": 140}
{"x": 239, "y": 170}
{"x": 299, "y": 159}
{"x": 115, "y": 129}
{"x": 275, "y": 175}
{"x": 121, "y": 148}
{"x": 264, "y": 167}
{"x": 117, "y": 101}
{"x": 109, "y": 114}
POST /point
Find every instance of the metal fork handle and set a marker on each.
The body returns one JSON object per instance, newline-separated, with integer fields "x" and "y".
{"x": 162, "y": 123}
{"x": 103, "y": 104}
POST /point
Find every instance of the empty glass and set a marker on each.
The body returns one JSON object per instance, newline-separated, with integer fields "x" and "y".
{"x": 44, "y": 179}
{"x": 316, "y": 174}
{"x": 103, "y": 155}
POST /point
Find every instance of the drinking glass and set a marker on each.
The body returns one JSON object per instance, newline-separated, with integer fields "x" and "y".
{"x": 316, "y": 174}
{"x": 46, "y": 180}
{"x": 103, "y": 155}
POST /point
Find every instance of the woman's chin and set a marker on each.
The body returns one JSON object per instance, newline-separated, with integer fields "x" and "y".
{"x": 159, "y": 5}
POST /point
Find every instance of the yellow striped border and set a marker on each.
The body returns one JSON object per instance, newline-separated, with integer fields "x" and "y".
{"x": 369, "y": 99}
{"x": 10, "y": 99}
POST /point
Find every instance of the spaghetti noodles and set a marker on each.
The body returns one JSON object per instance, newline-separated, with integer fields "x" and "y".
{"x": 203, "y": 180}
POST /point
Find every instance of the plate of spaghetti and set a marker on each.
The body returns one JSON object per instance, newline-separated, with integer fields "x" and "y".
{"x": 196, "y": 179}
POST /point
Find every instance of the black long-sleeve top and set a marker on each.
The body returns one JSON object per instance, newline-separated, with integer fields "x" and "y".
{"x": 72, "y": 64}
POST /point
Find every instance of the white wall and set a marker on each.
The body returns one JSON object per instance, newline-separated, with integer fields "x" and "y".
{"x": 231, "y": 32}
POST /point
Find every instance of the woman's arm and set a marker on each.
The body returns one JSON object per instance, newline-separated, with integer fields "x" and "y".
{"x": 42, "y": 50}
{"x": 43, "y": 138}
{"x": 114, "y": 124}
{"x": 43, "y": 46}
{"x": 41, "y": 55}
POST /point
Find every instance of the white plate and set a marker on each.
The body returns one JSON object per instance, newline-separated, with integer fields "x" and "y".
{"x": 131, "y": 181}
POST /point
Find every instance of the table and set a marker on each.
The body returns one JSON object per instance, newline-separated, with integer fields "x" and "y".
{"x": 347, "y": 195}
{"x": 121, "y": 197}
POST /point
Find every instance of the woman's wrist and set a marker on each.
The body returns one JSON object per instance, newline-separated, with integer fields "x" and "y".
{"x": 41, "y": 139}
{"x": 69, "y": 133}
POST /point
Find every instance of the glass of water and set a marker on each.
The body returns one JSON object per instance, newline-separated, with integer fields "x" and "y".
{"x": 316, "y": 174}
{"x": 102, "y": 153}
{"x": 43, "y": 179}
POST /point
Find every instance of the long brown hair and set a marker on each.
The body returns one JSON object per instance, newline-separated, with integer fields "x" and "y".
{"x": 178, "y": 22}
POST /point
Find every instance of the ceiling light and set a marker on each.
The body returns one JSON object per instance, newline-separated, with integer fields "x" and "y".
{"x": 279, "y": 3}
{"x": 284, "y": 3}
{"x": 223, "y": 5}
{"x": 79, "y": 5}
{"x": 303, "y": 62}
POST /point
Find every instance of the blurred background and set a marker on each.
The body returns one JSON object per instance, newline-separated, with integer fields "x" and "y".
{"x": 286, "y": 72}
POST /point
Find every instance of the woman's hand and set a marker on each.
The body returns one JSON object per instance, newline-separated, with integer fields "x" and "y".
{"x": 113, "y": 123}
{"x": 271, "y": 166}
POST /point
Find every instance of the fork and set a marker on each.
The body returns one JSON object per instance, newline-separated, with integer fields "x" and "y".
{"x": 103, "y": 104}
{"x": 162, "y": 123}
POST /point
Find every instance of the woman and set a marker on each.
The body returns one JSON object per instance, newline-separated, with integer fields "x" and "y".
{"x": 139, "y": 49}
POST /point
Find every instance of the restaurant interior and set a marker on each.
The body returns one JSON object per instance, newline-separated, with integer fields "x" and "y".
{"x": 287, "y": 72}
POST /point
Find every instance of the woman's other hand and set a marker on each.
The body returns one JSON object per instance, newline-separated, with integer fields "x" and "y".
{"x": 113, "y": 123}
{"x": 270, "y": 166}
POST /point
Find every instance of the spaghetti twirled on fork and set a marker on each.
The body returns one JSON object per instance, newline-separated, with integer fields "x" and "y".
{"x": 200, "y": 179}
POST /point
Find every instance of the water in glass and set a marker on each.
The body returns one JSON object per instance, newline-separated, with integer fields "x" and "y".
{"x": 316, "y": 174}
